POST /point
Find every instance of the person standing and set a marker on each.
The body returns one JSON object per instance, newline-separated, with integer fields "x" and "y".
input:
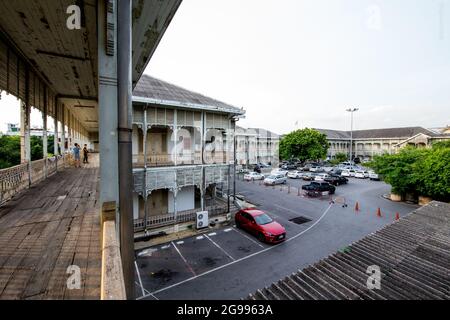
{"x": 76, "y": 155}
{"x": 85, "y": 154}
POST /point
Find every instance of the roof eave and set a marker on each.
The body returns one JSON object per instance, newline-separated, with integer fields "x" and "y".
{"x": 179, "y": 104}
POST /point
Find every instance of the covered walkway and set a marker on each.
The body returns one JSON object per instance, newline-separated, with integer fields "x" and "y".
{"x": 48, "y": 228}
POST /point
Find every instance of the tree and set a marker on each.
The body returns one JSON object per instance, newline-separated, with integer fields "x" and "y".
{"x": 305, "y": 144}
{"x": 424, "y": 172}
{"x": 9, "y": 151}
{"x": 339, "y": 157}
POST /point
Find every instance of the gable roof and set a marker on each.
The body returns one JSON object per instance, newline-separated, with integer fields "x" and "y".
{"x": 153, "y": 90}
{"x": 403, "y": 132}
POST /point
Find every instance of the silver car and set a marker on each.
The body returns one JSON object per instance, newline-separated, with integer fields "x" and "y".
{"x": 275, "y": 179}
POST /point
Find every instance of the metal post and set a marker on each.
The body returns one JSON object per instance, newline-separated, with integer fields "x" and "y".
{"x": 125, "y": 142}
{"x": 144, "y": 137}
{"x": 234, "y": 159}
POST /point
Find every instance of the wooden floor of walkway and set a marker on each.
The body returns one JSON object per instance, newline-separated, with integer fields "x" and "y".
{"x": 46, "y": 229}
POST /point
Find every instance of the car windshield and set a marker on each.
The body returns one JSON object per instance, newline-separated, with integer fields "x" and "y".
{"x": 263, "y": 219}
{"x": 272, "y": 177}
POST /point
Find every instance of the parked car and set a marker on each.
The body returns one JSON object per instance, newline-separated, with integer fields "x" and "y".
{"x": 320, "y": 187}
{"x": 328, "y": 168}
{"x": 261, "y": 225}
{"x": 373, "y": 176}
{"x": 361, "y": 174}
{"x": 289, "y": 166}
{"x": 348, "y": 173}
{"x": 263, "y": 165}
{"x": 321, "y": 177}
{"x": 295, "y": 174}
{"x": 279, "y": 171}
{"x": 243, "y": 171}
{"x": 336, "y": 180}
{"x": 308, "y": 176}
{"x": 316, "y": 169}
{"x": 275, "y": 179}
{"x": 253, "y": 176}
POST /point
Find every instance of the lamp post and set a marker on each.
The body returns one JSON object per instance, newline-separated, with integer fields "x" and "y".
{"x": 351, "y": 110}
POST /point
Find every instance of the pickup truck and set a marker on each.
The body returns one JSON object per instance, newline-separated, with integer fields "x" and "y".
{"x": 336, "y": 180}
{"x": 320, "y": 187}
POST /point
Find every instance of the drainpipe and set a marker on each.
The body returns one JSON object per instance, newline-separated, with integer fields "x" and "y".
{"x": 124, "y": 147}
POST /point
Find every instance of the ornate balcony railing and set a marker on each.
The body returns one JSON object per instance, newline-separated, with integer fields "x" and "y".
{"x": 17, "y": 178}
{"x": 181, "y": 217}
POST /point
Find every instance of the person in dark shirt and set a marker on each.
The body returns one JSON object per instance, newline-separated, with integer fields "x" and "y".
{"x": 85, "y": 154}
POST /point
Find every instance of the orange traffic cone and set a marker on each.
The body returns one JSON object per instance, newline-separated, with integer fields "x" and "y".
{"x": 379, "y": 212}
{"x": 357, "y": 206}
{"x": 397, "y": 216}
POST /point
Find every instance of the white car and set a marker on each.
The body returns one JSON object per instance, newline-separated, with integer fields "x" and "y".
{"x": 360, "y": 174}
{"x": 373, "y": 175}
{"x": 321, "y": 177}
{"x": 253, "y": 176}
{"x": 275, "y": 179}
{"x": 348, "y": 173}
{"x": 315, "y": 169}
{"x": 328, "y": 169}
{"x": 295, "y": 174}
{"x": 278, "y": 171}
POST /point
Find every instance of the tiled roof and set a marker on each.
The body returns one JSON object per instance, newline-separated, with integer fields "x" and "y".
{"x": 157, "y": 91}
{"x": 405, "y": 132}
{"x": 413, "y": 254}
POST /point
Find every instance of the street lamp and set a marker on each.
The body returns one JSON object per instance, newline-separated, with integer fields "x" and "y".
{"x": 351, "y": 110}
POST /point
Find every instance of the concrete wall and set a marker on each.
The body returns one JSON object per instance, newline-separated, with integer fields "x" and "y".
{"x": 185, "y": 199}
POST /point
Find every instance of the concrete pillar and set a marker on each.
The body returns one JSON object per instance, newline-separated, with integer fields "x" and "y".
{"x": 63, "y": 130}
{"x": 55, "y": 132}
{"x": 107, "y": 110}
{"x": 25, "y": 148}
{"x": 44, "y": 135}
{"x": 144, "y": 138}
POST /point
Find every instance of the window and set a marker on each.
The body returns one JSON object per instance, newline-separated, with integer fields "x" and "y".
{"x": 263, "y": 219}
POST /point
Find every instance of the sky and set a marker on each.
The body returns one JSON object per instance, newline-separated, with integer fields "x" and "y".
{"x": 306, "y": 62}
{"x": 300, "y": 63}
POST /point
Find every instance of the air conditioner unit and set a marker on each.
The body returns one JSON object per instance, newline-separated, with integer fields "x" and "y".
{"x": 202, "y": 220}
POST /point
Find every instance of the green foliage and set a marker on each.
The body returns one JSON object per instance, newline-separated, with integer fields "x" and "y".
{"x": 10, "y": 149}
{"x": 415, "y": 171}
{"x": 338, "y": 158}
{"x": 305, "y": 144}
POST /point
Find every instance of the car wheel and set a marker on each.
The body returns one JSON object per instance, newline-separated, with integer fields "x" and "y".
{"x": 261, "y": 237}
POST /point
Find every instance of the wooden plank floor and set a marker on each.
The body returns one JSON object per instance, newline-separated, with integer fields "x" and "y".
{"x": 46, "y": 229}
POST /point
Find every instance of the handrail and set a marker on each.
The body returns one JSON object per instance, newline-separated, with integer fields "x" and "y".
{"x": 112, "y": 280}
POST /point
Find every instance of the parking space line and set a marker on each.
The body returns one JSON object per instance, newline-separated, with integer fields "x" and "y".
{"x": 180, "y": 242}
{"x": 223, "y": 250}
{"x": 211, "y": 234}
{"x": 139, "y": 277}
{"x": 227, "y": 230}
{"x": 252, "y": 240}
{"x": 200, "y": 237}
{"x": 185, "y": 261}
{"x": 243, "y": 258}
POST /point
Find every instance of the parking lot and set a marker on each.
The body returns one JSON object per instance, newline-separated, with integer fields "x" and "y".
{"x": 229, "y": 263}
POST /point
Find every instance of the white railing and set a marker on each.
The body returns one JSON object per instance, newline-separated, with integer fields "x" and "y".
{"x": 17, "y": 178}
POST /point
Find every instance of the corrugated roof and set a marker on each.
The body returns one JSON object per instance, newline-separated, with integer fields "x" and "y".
{"x": 413, "y": 254}
{"x": 157, "y": 91}
{"x": 404, "y": 132}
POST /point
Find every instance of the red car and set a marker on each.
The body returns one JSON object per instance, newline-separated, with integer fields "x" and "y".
{"x": 260, "y": 224}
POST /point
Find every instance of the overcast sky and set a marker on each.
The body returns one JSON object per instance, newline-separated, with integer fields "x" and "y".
{"x": 308, "y": 60}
